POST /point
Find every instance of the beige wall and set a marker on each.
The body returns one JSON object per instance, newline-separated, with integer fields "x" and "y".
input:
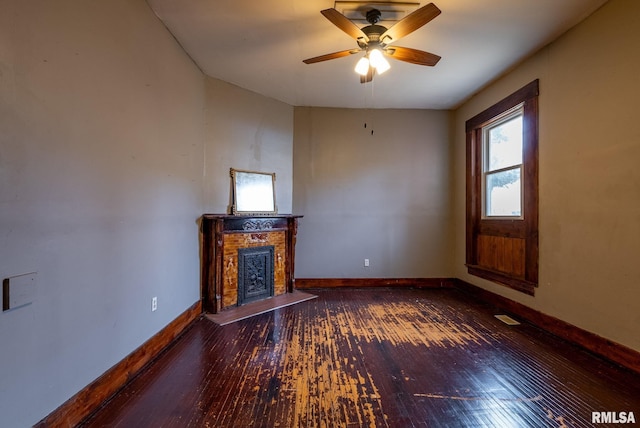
{"x": 112, "y": 145}
{"x": 101, "y": 143}
{"x": 385, "y": 197}
{"x": 589, "y": 176}
{"x": 245, "y": 130}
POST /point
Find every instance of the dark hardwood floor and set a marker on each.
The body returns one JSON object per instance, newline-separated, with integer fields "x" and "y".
{"x": 372, "y": 358}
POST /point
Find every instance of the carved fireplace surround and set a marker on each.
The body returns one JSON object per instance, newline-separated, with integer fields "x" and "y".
{"x": 246, "y": 258}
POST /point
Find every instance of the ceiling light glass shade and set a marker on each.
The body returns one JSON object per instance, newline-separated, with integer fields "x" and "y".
{"x": 383, "y": 66}
{"x": 378, "y": 61}
{"x": 362, "y": 67}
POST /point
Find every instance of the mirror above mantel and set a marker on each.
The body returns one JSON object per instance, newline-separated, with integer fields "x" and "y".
{"x": 253, "y": 193}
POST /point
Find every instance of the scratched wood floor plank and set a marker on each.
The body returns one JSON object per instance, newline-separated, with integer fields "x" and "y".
{"x": 372, "y": 358}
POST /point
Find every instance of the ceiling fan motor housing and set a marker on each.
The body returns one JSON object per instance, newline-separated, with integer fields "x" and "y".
{"x": 373, "y": 16}
{"x": 374, "y": 32}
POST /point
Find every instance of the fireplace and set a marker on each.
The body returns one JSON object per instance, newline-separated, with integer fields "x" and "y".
{"x": 255, "y": 274}
{"x": 246, "y": 258}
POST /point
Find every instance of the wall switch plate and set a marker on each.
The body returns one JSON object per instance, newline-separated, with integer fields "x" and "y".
{"x": 154, "y": 304}
{"x": 366, "y": 262}
{"x": 18, "y": 291}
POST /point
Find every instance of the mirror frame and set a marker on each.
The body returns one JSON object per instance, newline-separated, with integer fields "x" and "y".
{"x": 242, "y": 181}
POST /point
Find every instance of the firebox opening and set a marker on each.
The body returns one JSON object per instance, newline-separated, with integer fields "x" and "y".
{"x": 255, "y": 274}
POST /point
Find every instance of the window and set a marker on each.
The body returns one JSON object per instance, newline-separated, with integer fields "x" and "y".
{"x": 502, "y": 191}
{"x": 502, "y": 166}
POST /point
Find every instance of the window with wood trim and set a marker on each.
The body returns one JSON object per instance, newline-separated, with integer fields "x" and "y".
{"x": 502, "y": 191}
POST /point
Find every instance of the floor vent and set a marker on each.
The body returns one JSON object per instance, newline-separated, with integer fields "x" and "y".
{"x": 507, "y": 319}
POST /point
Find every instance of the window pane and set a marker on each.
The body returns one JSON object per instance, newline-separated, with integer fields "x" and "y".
{"x": 503, "y": 193}
{"x": 505, "y": 144}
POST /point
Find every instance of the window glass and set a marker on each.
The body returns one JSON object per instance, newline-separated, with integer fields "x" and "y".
{"x": 505, "y": 144}
{"x": 502, "y": 165}
{"x": 503, "y": 192}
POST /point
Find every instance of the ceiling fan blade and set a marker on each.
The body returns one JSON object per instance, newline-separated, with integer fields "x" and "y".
{"x": 410, "y": 23}
{"x": 345, "y": 24}
{"x": 333, "y": 55}
{"x": 413, "y": 56}
{"x": 368, "y": 77}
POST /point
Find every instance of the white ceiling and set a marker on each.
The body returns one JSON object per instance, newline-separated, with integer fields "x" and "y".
{"x": 260, "y": 45}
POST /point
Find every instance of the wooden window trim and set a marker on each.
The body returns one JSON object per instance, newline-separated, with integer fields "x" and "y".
{"x": 526, "y": 228}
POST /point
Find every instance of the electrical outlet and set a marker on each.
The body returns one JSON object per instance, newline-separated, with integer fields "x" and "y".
{"x": 366, "y": 262}
{"x": 154, "y": 304}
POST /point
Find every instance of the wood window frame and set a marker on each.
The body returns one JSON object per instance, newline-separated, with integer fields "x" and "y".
{"x": 491, "y": 242}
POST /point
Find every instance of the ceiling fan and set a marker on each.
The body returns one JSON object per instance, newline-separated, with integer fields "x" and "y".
{"x": 375, "y": 40}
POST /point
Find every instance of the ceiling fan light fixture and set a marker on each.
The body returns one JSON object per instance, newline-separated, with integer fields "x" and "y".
{"x": 378, "y": 61}
{"x": 362, "y": 67}
{"x": 374, "y": 39}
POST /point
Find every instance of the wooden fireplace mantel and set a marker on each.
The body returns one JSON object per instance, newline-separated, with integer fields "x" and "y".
{"x": 224, "y": 236}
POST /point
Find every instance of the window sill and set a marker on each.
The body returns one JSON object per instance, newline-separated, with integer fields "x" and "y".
{"x": 519, "y": 284}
